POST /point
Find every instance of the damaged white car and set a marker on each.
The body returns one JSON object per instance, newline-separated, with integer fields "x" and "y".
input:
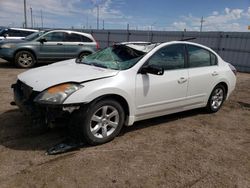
{"x": 125, "y": 83}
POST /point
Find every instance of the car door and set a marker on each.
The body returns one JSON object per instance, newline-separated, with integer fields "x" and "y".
{"x": 73, "y": 44}
{"x": 53, "y": 48}
{"x": 203, "y": 74}
{"x": 157, "y": 94}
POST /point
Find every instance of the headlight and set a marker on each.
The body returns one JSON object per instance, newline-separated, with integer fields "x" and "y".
{"x": 57, "y": 94}
{"x": 8, "y": 46}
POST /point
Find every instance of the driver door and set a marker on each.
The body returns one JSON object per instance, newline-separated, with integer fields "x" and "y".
{"x": 53, "y": 48}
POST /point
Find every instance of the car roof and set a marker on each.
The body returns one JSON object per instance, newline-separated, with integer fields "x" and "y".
{"x": 22, "y": 29}
{"x": 70, "y": 31}
{"x": 147, "y": 46}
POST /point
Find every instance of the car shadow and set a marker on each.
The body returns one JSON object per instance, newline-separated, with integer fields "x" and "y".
{"x": 162, "y": 119}
{"x": 6, "y": 65}
{"x": 17, "y": 131}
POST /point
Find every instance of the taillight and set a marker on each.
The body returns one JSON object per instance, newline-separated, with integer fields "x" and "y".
{"x": 97, "y": 44}
{"x": 233, "y": 69}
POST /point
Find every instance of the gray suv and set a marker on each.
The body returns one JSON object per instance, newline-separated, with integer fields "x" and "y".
{"x": 48, "y": 46}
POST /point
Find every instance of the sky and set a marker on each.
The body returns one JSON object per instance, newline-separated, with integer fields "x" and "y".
{"x": 163, "y": 15}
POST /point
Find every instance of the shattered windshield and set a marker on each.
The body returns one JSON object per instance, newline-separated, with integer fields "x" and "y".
{"x": 118, "y": 57}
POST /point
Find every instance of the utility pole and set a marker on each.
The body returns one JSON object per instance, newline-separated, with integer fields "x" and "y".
{"x": 42, "y": 18}
{"x": 31, "y": 17}
{"x": 97, "y": 6}
{"x": 25, "y": 16}
{"x": 202, "y": 21}
{"x": 102, "y": 24}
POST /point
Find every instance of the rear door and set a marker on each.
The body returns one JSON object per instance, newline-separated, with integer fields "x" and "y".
{"x": 203, "y": 73}
{"x": 75, "y": 44}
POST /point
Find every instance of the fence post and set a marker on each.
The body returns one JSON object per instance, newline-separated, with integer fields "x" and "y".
{"x": 108, "y": 38}
{"x": 219, "y": 42}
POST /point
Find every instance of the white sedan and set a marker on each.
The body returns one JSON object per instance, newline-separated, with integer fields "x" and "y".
{"x": 125, "y": 83}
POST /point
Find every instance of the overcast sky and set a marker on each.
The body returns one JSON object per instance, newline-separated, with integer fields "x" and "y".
{"x": 219, "y": 15}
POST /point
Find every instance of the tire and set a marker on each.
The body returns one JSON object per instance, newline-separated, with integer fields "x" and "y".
{"x": 25, "y": 59}
{"x": 216, "y": 99}
{"x": 100, "y": 122}
{"x": 83, "y": 54}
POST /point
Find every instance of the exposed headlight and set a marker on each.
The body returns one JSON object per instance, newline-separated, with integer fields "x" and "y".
{"x": 8, "y": 46}
{"x": 57, "y": 94}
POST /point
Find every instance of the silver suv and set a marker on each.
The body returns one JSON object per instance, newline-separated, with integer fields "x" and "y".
{"x": 48, "y": 46}
{"x": 15, "y": 33}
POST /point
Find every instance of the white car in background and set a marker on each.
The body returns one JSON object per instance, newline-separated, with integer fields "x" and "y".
{"x": 15, "y": 33}
{"x": 123, "y": 84}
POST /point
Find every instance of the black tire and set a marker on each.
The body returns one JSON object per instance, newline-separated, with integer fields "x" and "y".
{"x": 86, "y": 124}
{"x": 83, "y": 54}
{"x": 216, "y": 99}
{"x": 25, "y": 59}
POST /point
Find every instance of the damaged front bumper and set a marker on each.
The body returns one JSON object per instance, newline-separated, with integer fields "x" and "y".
{"x": 47, "y": 114}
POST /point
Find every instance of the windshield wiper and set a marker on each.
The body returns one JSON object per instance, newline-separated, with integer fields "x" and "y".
{"x": 98, "y": 65}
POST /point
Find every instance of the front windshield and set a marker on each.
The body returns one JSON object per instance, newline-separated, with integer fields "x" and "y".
{"x": 34, "y": 36}
{"x": 118, "y": 57}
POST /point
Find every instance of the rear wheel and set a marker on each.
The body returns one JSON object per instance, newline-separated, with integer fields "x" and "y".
{"x": 25, "y": 59}
{"x": 101, "y": 121}
{"x": 83, "y": 54}
{"x": 216, "y": 98}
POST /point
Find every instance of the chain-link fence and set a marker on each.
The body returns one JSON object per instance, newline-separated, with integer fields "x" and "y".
{"x": 233, "y": 47}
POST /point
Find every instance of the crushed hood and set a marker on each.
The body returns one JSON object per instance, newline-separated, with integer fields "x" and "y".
{"x": 66, "y": 71}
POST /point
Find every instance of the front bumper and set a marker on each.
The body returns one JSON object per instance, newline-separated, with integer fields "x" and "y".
{"x": 7, "y": 54}
{"x": 47, "y": 114}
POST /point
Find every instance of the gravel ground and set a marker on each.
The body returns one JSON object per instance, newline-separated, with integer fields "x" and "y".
{"x": 188, "y": 149}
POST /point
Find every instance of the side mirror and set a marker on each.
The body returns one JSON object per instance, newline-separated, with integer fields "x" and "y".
{"x": 5, "y": 35}
{"x": 152, "y": 69}
{"x": 42, "y": 40}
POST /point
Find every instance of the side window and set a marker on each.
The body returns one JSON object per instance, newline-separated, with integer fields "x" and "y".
{"x": 73, "y": 37}
{"x": 169, "y": 57}
{"x": 14, "y": 33}
{"x": 26, "y": 33}
{"x": 198, "y": 57}
{"x": 54, "y": 36}
{"x": 86, "y": 39}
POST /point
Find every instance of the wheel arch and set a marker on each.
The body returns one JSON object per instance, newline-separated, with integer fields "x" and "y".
{"x": 117, "y": 98}
{"x": 25, "y": 49}
{"x": 224, "y": 84}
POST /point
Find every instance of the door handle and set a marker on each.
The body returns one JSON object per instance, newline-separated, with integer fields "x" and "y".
{"x": 59, "y": 44}
{"x": 215, "y": 73}
{"x": 80, "y": 44}
{"x": 182, "y": 80}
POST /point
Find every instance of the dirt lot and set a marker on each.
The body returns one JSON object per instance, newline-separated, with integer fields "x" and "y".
{"x": 190, "y": 149}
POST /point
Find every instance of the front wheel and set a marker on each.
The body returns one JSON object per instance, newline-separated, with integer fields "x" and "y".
{"x": 216, "y": 99}
{"x": 101, "y": 121}
{"x": 25, "y": 59}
